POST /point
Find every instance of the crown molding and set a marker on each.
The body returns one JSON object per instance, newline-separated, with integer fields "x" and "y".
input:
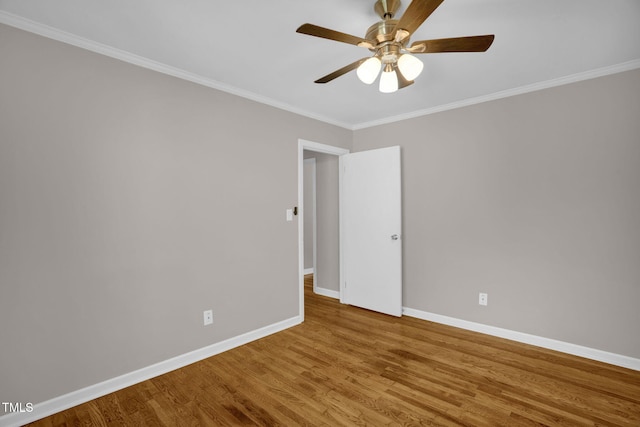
{"x": 74, "y": 40}
{"x": 131, "y": 58}
{"x": 574, "y": 78}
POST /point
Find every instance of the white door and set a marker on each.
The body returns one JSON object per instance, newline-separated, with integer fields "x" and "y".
{"x": 370, "y": 226}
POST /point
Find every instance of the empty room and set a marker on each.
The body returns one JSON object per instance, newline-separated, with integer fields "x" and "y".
{"x": 365, "y": 212}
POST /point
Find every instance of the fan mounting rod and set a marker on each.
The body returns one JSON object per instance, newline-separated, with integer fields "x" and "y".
{"x": 384, "y": 30}
{"x": 386, "y": 9}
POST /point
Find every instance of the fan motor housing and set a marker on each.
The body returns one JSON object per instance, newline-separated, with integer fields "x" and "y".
{"x": 382, "y": 31}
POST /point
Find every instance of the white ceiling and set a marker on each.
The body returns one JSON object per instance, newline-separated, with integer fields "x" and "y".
{"x": 250, "y": 47}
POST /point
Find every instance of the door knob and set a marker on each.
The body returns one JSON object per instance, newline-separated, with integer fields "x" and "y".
{"x": 394, "y": 237}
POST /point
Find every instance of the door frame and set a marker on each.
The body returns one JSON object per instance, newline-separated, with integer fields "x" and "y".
{"x": 318, "y": 148}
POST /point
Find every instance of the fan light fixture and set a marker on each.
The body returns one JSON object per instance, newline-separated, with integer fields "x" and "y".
{"x": 368, "y": 71}
{"x": 388, "y": 80}
{"x": 409, "y": 66}
{"x": 388, "y": 40}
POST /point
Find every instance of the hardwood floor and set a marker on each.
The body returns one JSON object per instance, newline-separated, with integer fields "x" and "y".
{"x": 348, "y": 366}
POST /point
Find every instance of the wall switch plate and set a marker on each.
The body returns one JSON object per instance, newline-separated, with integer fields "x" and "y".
{"x": 289, "y": 214}
{"x": 483, "y": 299}
{"x": 208, "y": 317}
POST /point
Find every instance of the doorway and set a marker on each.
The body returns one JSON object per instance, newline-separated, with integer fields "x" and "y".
{"x": 308, "y": 146}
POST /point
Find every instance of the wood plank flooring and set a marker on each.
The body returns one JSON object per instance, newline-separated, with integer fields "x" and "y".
{"x": 346, "y": 366}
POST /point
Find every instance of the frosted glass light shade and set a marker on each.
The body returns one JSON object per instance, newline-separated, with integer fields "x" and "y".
{"x": 410, "y": 66}
{"x": 368, "y": 70}
{"x": 388, "y": 81}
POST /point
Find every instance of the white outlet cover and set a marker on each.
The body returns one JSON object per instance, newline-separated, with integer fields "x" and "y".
{"x": 483, "y": 299}
{"x": 208, "y": 317}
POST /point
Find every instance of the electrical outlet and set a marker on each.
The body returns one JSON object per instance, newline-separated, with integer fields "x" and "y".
{"x": 208, "y": 317}
{"x": 483, "y": 299}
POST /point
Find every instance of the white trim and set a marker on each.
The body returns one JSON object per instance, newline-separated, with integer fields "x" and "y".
{"x": 548, "y": 343}
{"x": 57, "y": 404}
{"x": 74, "y": 40}
{"x": 319, "y": 148}
{"x": 131, "y": 58}
{"x": 574, "y": 78}
{"x": 308, "y": 270}
{"x": 327, "y": 292}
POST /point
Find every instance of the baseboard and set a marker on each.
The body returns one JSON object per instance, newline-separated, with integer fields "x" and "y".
{"x": 308, "y": 270}
{"x": 327, "y": 292}
{"x": 57, "y": 404}
{"x": 551, "y": 344}
{"x": 548, "y": 343}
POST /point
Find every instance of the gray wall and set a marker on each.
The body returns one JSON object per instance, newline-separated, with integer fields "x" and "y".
{"x": 534, "y": 199}
{"x": 131, "y": 201}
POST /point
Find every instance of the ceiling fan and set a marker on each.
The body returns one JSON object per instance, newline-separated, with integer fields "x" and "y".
{"x": 388, "y": 40}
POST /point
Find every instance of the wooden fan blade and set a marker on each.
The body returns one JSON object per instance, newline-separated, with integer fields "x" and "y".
{"x": 325, "y": 33}
{"x": 455, "y": 44}
{"x": 417, "y": 12}
{"x": 341, "y": 71}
